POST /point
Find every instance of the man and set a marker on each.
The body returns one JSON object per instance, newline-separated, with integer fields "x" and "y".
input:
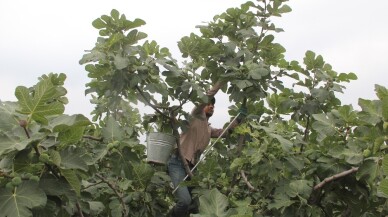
{"x": 192, "y": 143}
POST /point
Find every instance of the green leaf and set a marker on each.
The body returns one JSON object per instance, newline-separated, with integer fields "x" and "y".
{"x": 243, "y": 208}
{"x": 116, "y": 208}
{"x": 96, "y": 207}
{"x": 382, "y": 189}
{"x": 368, "y": 171}
{"x": 285, "y": 9}
{"x": 43, "y": 101}
{"x": 325, "y": 126}
{"x": 112, "y": 131}
{"x": 237, "y": 163}
{"x": 98, "y": 24}
{"x": 241, "y": 84}
{"x": 385, "y": 108}
{"x": 55, "y": 157}
{"x": 213, "y": 203}
{"x": 134, "y": 36}
{"x": 72, "y": 179}
{"x": 72, "y": 159}
{"x": 115, "y": 14}
{"x": 137, "y": 23}
{"x": 311, "y": 62}
{"x": 141, "y": 173}
{"x": 381, "y": 91}
{"x": 120, "y": 62}
{"x": 70, "y": 128}
{"x": 55, "y": 187}
{"x": 347, "y": 77}
{"x": 47, "y": 211}
{"x": 7, "y": 119}
{"x": 295, "y": 162}
{"x": 121, "y": 164}
{"x": 189, "y": 46}
{"x": 371, "y": 111}
{"x": 256, "y": 71}
{"x": 385, "y": 165}
{"x": 300, "y": 188}
{"x": 71, "y": 136}
{"x": 12, "y": 143}
{"x": 19, "y": 203}
{"x": 286, "y": 144}
{"x": 280, "y": 201}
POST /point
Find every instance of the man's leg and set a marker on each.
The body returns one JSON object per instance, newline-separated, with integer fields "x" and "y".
{"x": 177, "y": 173}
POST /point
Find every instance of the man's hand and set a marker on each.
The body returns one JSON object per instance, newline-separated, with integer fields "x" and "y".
{"x": 242, "y": 113}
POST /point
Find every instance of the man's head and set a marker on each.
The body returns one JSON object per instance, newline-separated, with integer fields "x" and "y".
{"x": 209, "y": 108}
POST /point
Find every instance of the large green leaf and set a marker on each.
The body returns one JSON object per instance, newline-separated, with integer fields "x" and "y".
{"x": 324, "y": 125}
{"x": 19, "y": 203}
{"x": 125, "y": 162}
{"x": 371, "y": 111}
{"x": 381, "y": 91}
{"x": 313, "y": 62}
{"x": 187, "y": 45}
{"x": 7, "y": 119}
{"x": 243, "y": 208}
{"x": 213, "y": 203}
{"x": 44, "y": 100}
{"x": 12, "y": 143}
{"x": 280, "y": 202}
{"x": 368, "y": 171}
{"x": 141, "y": 173}
{"x": 112, "y": 131}
{"x": 70, "y": 128}
{"x": 72, "y": 179}
{"x": 72, "y": 159}
{"x": 66, "y": 122}
{"x": 54, "y": 186}
{"x": 300, "y": 188}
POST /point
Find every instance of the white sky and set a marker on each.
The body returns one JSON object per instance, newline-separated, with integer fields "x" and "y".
{"x": 43, "y": 36}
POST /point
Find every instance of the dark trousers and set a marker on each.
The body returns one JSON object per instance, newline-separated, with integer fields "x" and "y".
{"x": 177, "y": 172}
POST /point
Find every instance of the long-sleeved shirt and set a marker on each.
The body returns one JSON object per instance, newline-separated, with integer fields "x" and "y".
{"x": 195, "y": 140}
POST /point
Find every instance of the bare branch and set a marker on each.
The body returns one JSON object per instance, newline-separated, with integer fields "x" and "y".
{"x": 336, "y": 176}
{"x": 79, "y": 209}
{"x": 250, "y": 186}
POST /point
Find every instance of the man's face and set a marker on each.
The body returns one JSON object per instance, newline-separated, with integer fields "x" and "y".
{"x": 209, "y": 110}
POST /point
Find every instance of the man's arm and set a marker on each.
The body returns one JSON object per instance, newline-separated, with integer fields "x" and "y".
{"x": 210, "y": 93}
{"x": 215, "y": 132}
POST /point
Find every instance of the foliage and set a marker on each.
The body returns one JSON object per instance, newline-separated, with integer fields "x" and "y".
{"x": 299, "y": 152}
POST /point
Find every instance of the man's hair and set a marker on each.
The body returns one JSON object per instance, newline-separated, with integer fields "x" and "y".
{"x": 213, "y": 100}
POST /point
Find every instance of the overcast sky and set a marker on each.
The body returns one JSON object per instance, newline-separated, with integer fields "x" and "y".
{"x": 39, "y": 37}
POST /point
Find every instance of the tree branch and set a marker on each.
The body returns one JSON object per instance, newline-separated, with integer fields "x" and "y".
{"x": 306, "y": 133}
{"x": 250, "y": 186}
{"x": 336, "y": 176}
{"x": 149, "y": 103}
{"x": 79, "y": 209}
{"x": 93, "y": 138}
{"x": 240, "y": 143}
{"x": 184, "y": 102}
{"x": 119, "y": 195}
{"x": 91, "y": 185}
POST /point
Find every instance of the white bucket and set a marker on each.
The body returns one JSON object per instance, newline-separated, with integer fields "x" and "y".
{"x": 159, "y": 147}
